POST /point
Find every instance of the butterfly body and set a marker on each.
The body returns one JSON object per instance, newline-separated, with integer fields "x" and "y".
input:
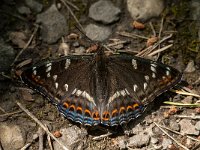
{"x": 101, "y": 89}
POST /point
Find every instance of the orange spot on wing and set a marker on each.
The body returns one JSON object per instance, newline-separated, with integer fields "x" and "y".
{"x": 88, "y": 113}
{"x": 135, "y": 105}
{"x": 122, "y": 109}
{"x": 165, "y": 80}
{"x": 72, "y": 107}
{"x": 36, "y": 79}
{"x": 129, "y": 108}
{"x": 79, "y": 110}
{"x": 95, "y": 115}
{"x": 114, "y": 113}
{"x": 65, "y": 105}
{"x": 106, "y": 116}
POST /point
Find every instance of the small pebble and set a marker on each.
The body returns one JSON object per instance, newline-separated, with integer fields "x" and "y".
{"x": 166, "y": 142}
{"x": 139, "y": 140}
{"x": 187, "y": 127}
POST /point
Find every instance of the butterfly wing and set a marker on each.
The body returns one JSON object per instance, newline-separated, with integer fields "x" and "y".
{"x": 65, "y": 83}
{"x": 133, "y": 83}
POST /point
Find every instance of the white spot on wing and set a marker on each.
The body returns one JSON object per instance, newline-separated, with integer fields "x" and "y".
{"x": 83, "y": 94}
{"x": 78, "y": 92}
{"x": 55, "y": 77}
{"x": 34, "y": 68}
{"x": 153, "y": 68}
{"x": 134, "y": 63}
{"x": 127, "y": 92}
{"x": 48, "y": 74}
{"x": 153, "y": 75}
{"x": 48, "y": 69}
{"x": 118, "y": 94}
{"x": 146, "y": 78}
{"x": 153, "y": 65}
{"x": 67, "y": 63}
{"x": 168, "y": 71}
{"x": 87, "y": 96}
{"x": 135, "y": 87}
{"x": 123, "y": 92}
{"x": 74, "y": 91}
{"x": 56, "y": 85}
{"x": 66, "y": 87}
{"x": 49, "y": 64}
{"x": 34, "y": 72}
{"x": 145, "y": 86}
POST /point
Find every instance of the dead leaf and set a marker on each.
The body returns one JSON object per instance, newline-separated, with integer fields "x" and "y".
{"x": 138, "y": 25}
{"x": 18, "y": 38}
{"x": 151, "y": 41}
{"x": 57, "y": 134}
{"x": 92, "y": 49}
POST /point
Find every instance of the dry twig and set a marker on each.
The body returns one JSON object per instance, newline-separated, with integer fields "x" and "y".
{"x": 132, "y": 35}
{"x": 102, "y": 136}
{"x": 152, "y": 28}
{"x": 188, "y": 117}
{"x": 10, "y": 114}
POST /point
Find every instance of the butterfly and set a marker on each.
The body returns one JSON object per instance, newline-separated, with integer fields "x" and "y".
{"x": 98, "y": 88}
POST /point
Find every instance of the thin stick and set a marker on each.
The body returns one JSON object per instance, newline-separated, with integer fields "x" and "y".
{"x": 102, "y": 136}
{"x": 151, "y": 48}
{"x": 161, "y": 28}
{"x": 152, "y": 28}
{"x": 27, "y": 44}
{"x": 71, "y": 4}
{"x": 49, "y": 139}
{"x": 160, "y": 50}
{"x": 41, "y": 138}
{"x": 171, "y": 137}
{"x": 41, "y": 125}
{"x": 2, "y": 110}
{"x": 71, "y": 12}
{"x": 188, "y": 117}
{"x": 182, "y": 134}
{"x": 132, "y": 35}
{"x": 11, "y": 113}
{"x": 181, "y": 104}
{"x": 116, "y": 43}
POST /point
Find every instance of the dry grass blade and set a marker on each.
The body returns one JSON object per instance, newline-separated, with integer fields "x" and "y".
{"x": 188, "y": 117}
{"x": 131, "y": 35}
{"x": 185, "y": 148}
{"x": 186, "y": 93}
{"x": 41, "y": 125}
{"x": 10, "y": 114}
{"x": 182, "y": 104}
{"x": 160, "y": 50}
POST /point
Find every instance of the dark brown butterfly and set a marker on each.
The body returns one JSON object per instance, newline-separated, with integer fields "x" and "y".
{"x": 98, "y": 88}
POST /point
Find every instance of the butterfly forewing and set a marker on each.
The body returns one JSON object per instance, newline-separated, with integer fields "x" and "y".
{"x": 100, "y": 89}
